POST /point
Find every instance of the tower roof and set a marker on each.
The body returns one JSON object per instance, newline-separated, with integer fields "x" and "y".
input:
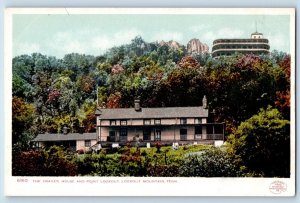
{"x": 256, "y": 33}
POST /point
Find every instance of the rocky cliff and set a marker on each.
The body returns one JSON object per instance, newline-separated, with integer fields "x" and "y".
{"x": 172, "y": 44}
{"x": 194, "y": 46}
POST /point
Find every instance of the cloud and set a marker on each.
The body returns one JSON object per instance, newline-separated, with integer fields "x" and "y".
{"x": 279, "y": 42}
{"x": 26, "y": 48}
{"x": 198, "y": 28}
{"x": 222, "y": 33}
{"x": 67, "y": 42}
{"x": 230, "y": 33}
{"x": 104, "y": 42}
{"x": 63, "y": 43}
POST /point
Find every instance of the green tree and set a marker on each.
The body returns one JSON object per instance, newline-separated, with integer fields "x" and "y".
{"x": 262, "y": 144}
{"x": 23, "y": 115}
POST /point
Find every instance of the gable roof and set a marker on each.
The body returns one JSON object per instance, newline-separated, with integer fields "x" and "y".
{"x": 64, "y": 137}
{"x": 164, "y": 112}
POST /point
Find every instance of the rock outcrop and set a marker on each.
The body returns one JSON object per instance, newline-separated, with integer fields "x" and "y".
{"x": 172, "y": 44}
{"x": 194, "y": 46}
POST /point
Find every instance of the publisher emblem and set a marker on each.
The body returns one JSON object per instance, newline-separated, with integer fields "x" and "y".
{"x": 277, "y": 187}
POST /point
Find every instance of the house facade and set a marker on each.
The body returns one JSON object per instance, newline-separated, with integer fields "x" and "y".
{"x": 256, "y": 44}
{"x": 120, "y": 126}
{"x": 166, "y": 125}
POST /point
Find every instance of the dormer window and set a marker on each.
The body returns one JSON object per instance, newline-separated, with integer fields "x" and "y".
{"x": 198, "y": 120}
{"x": 123, "y": 122}
{"x": 157, "y": 121}
{"x": 147, "y": 122}
{"x": 183, "y": 121}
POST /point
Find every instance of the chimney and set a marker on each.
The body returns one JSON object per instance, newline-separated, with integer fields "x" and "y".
{"x": 204, "y": 102}
{"x": 65, "y": 130}
{"x": 137, "y": 106}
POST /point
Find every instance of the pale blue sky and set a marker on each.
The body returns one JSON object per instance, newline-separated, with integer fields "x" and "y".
{"x": 57, "y": 35}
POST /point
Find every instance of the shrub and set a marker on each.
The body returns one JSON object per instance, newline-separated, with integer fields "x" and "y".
{"x": 53, "y": 162}
{"x": 212, "y": 163}
{"x": 162, "y": 170}
{"x": 262, "y": 143}
{"x": 158, "y": 146}
{"x": 80, "y": 151}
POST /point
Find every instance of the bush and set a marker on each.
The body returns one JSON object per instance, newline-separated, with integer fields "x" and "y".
{"x": 211, "y": 163}
{"x": 162, "y": 171}
{"x": 80, "y": 151}
{"x": 262, "y": 143}
{"x": 53, "y": 162}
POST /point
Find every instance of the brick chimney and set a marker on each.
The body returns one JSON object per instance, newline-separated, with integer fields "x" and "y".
{"x": 137, "y": 105}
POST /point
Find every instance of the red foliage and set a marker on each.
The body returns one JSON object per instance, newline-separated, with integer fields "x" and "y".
{"x": 39, "y": 163}
{"x": 162, "y": 170}
{"x": 116, "y": 69}
{"x": 80, "y": 151}
{"x": 20, "y": 107}
{"x": 114, "y": 100}
{"x": 285, "y": 64}
{"x": 248, "y": 61}
{"x": 283, "y": 102}
{"x": 53, "y": 96}
{"x": 28, "y": 164}
{"x": 87, "y": 84}
{"x": 188, "y": 62}
{"x": 127, "y": 156}
{"x": 158, "y": 146}
{"x": 89, "y": 123}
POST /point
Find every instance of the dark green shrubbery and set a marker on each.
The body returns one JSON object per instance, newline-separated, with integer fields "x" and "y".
{"x": 211, "y": 163}
{"x": 262, "y": 144}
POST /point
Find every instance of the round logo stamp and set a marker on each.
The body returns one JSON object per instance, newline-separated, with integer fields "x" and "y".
{"x": 277, "y": 187}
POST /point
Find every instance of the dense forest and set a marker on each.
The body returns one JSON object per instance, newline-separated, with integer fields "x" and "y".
{"x": 49, "y": 93}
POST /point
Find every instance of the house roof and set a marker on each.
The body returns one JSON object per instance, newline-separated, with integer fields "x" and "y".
{"x": 64, "y": 137}
{"x": 164, "y": 112}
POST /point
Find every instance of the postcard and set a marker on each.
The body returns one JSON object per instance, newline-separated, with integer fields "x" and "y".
{"x": 150, "y": 102}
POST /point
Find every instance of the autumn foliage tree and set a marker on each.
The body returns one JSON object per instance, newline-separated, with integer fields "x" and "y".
{"x": 188, "y": 62}
{"x": 23, "y": 115}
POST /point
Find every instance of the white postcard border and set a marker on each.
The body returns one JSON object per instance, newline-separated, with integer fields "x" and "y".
{"x": 142, "y": 186}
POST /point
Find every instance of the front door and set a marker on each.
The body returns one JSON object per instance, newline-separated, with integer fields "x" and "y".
{"x": 183, "y": 134}
{"x": 157, "y": 135}
{"x": 123, "y": 135}
{"x": 198, "y": 132}
{"x": 147, "y": 134}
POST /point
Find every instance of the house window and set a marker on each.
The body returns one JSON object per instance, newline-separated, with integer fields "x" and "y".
{"x": 157, "y": 121}
{"x": 157, "y": 135}
{"x": 112, "y": 136}
{"x": 210, "y": 129}
{"x": 198, "y": 120}
{"x": 183, "y": 121}
{"x": 147, "y": 122}
{"x": 123, "y": 134}
{"x": 218, "y": 129}
{"x": 87, "y": 143}
{"x": 113, "y": 122}
{"x": 123, "y": 122}
{"x": 112, "y": 133}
